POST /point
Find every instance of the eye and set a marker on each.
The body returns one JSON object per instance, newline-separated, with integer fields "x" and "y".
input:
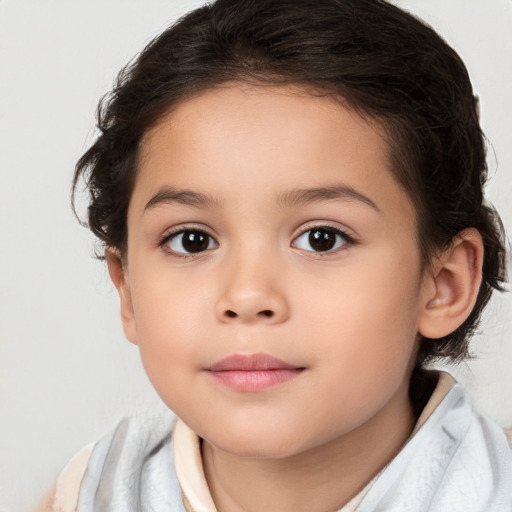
{"x": 189, "y": 241}
{"x": 321, "y": 239}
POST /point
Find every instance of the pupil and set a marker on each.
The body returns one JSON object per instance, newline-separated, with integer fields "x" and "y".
{"x": 195, "y": 241}
{"x": 322, "y": 240}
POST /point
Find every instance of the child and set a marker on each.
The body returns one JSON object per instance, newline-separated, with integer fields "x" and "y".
{"x": 290, "y": 199}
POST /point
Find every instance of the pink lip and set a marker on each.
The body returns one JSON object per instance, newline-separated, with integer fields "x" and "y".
{"x": 253, "y": 372}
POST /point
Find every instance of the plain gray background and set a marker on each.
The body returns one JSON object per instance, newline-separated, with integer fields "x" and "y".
{"x": 66, "y": 372}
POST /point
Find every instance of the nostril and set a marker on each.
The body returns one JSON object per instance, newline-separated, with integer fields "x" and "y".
{"x": 267, "y": 313}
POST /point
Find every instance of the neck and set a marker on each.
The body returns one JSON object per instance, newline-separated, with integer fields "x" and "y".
{"x": 321, "y": 479}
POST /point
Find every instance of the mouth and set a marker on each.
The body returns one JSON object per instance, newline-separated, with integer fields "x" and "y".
{"x": 252, "y": 373}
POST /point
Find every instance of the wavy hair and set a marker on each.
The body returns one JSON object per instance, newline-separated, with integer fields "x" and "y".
{"x": 385, "y": 63}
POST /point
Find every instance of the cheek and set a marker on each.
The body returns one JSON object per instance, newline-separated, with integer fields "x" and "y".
{"x": 369, "y": 318}
{"x": 365, "y": 348}
{"x": 172, "y": 318}
{"x": 169, "y": 302}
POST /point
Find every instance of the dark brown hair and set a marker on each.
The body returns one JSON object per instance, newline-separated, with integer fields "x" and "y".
{"x": 382, "y": 61}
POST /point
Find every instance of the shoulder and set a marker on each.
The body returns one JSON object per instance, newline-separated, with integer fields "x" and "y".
{"x": 46, "y": 504}
{"x": 133, "y": 464}
{"x": 126, "y": 446}
{"x": 68, "y": 483}
{"x": 64, "y": 495}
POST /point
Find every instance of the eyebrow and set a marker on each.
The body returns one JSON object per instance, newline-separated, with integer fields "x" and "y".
{"x": 296, "y": 197}
{"x": 330, "y": 193}
{"x": 170, "y": 195}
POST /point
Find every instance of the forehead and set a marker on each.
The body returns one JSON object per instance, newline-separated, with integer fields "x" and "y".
{"x": 241, "y": 138}
{"x": 258, "y": 113}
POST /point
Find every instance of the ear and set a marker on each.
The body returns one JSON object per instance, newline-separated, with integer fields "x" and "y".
{"x": 119, "y": 276}
{"x": 452, "y": 285}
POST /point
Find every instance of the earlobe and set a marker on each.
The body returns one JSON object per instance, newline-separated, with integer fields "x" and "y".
{"x": 119, "y": 276}
{"x": 452, "y": 286}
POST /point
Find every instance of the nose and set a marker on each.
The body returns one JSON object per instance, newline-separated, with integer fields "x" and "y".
{"x": 252, "y": 292}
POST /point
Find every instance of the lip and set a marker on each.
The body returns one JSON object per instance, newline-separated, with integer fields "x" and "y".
{"x": 252, "y": 373}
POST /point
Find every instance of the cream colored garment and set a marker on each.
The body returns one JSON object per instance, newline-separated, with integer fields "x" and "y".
{"x": 65, "y": 496}
{"x": 68, "y": 484}
{"x": 189, "y": 467}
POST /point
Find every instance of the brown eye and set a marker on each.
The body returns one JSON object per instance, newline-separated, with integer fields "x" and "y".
{"x": 321, "y": 239}
{"x": 191, "y": 242}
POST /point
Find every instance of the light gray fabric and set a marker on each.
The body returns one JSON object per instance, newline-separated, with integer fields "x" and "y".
{"x": 132, "y": 469}
{"x": 459, "y": 461}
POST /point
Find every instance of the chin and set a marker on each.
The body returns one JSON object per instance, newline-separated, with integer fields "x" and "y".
{"x": 259, "y": 444}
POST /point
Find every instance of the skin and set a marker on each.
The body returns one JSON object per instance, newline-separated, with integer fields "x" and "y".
{"x": 348, "y": 317}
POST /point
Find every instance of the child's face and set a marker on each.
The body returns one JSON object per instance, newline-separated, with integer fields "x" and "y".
{"x": 253, "y": 175}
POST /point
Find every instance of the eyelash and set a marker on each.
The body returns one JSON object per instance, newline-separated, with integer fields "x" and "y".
{"x": 165, "y": 239}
